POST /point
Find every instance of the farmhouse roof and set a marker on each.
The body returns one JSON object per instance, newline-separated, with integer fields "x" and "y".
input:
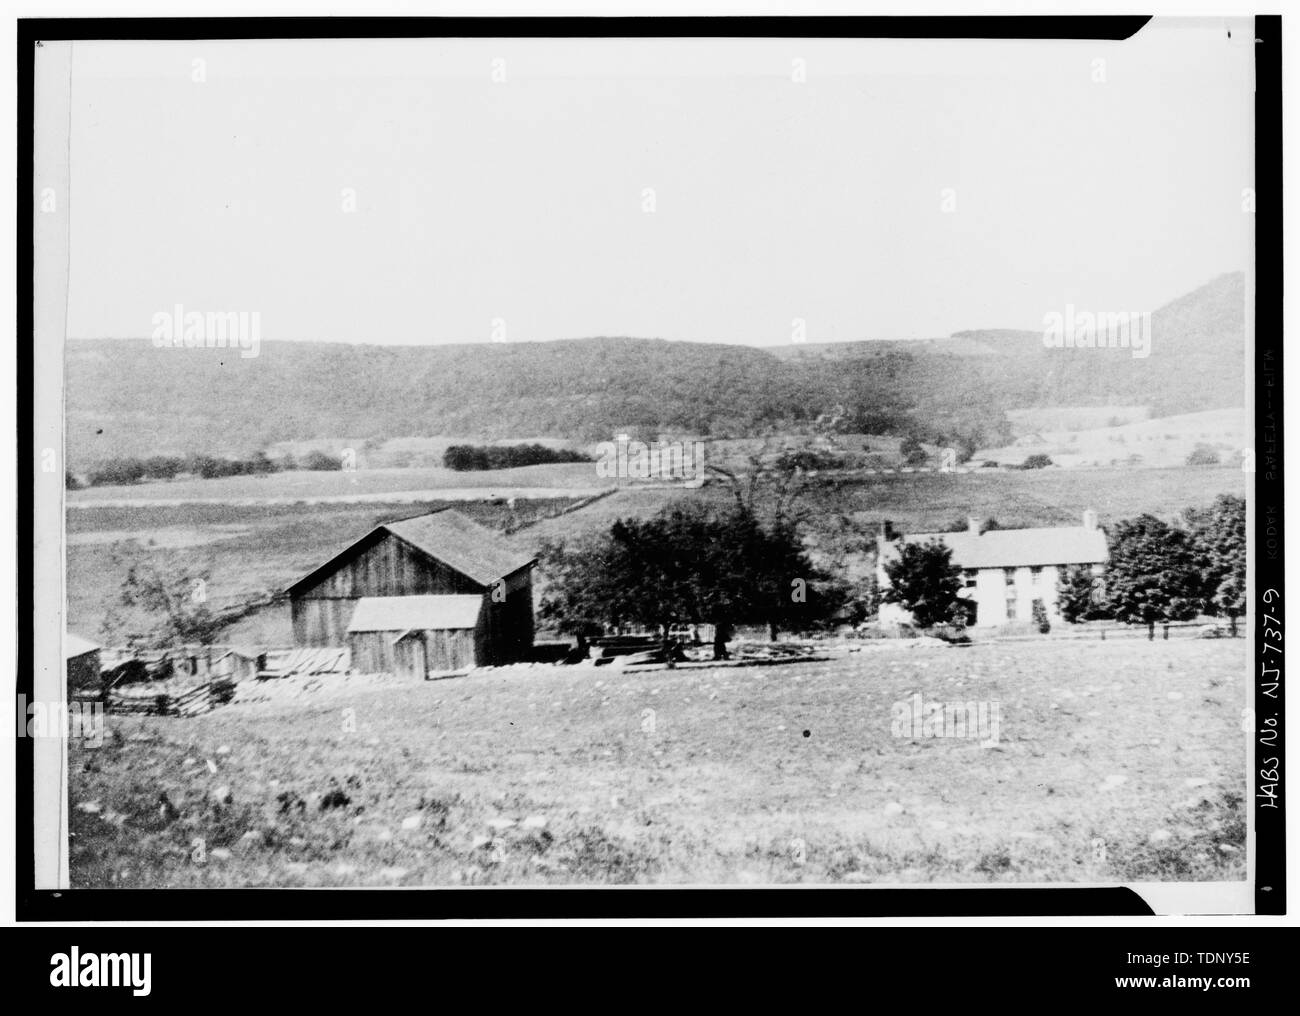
{"x": 1018, "y": 548}
{"x": 446, "y": 536}
{"x": 75, "y": 645}
{"x": 415, "y": 613}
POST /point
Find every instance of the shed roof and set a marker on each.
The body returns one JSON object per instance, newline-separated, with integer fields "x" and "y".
{"x": 1018, "y": 548}
{"x": 447, "y": 536}
{"x": 75, "y": 645}
{"x": 415, "y": 613}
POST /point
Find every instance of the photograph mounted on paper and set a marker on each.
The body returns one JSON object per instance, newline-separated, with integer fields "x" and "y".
{"x": 672, "y": 462}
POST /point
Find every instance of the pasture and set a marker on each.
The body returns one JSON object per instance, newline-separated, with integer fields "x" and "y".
{"x": 308, "y": 486}
{"x": 1118, "y": 761}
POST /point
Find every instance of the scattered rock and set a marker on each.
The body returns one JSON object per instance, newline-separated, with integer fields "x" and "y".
{"x": 1160, "y": 836}
{"x": 219, "y": 854}
{"x": 412, "y": 822}
{"x": 222, "y": 795}
{"x": 1174, "y": 696}
{"x": 535, "y": 822}
{"x": 480, "y": 841}
{"x": 500, "y": 823}
{"x": 223, "y": 749}
{"x": 212, "y": 767}
{"x": 894, "y": 808}
{"x": 90, "y": 807}
{"x": 1196, "y": 781}
{"x": 334, "y": 799}
{"x": 1113, "y": 781}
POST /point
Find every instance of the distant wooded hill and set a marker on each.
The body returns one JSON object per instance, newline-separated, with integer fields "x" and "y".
{"x": 124, "y": 397}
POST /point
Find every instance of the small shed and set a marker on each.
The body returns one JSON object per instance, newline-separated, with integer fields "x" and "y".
{"x": 415, "y": 636}
{"x": 81, "y": 663}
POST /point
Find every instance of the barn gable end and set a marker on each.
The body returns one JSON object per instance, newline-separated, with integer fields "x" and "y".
{"x": 439, "y": 555}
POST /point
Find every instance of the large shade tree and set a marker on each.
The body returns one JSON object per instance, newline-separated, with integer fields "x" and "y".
{"x": 688, "y": 564}
{"x": 1219, "y": 541}
{"x": 1153, "y": 575}
{"x": 924, "y": 581}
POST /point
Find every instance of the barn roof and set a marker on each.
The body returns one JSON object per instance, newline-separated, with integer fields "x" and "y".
{"x": 415, "y": 613}
{"x": 1018, "y": 548}
{"x": 447, "y": 536}
{"x": 464, "y": 545}
{"x": 75, "y": 645}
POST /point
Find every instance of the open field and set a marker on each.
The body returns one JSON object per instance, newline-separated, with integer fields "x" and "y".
{"x": 569, "y": 478}
{"x": 1123, "y": 761}
{"x": 924, "y": 502}
{"x": 1166, "y": 441}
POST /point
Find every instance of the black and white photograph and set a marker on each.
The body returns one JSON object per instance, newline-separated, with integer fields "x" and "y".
{"x": 556, "y": 461}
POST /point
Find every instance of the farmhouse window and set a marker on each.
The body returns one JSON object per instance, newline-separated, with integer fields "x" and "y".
{"x": 1010, "y": 574}
{"x": 968, "y": 578}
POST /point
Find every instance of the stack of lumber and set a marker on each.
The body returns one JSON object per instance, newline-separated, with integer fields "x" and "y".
{"x": 286, "y": 662}
{"x": 187, "y": 700}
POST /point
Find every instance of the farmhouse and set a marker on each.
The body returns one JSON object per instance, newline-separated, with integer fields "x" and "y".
{"x": 1004, "y": 571}
{"x": 433, "y": 593}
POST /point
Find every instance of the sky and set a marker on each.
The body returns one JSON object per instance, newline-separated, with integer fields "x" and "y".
{"x": 430, "y": 191}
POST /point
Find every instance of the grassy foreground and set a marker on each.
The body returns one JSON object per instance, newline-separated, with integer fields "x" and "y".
{"x": 1116, "y": 761}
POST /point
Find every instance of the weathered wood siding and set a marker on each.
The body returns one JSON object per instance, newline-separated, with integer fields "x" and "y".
{"x": 505, "y": 629}
{"x": 415, "y": 655}
{"x": 385, "y": 567}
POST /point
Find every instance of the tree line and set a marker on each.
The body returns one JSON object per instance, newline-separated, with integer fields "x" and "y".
{"x": 127, "y": 470}
{"x": 1161, "y": 572}
{"x": 467, "y": 458}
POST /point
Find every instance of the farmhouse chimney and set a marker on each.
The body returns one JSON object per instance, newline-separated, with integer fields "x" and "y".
{"x": 1089, "y": 519}
{"x": 972, "y": 525}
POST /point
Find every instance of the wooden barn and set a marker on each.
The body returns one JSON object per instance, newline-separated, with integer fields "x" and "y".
{"x": 434, "y": 593}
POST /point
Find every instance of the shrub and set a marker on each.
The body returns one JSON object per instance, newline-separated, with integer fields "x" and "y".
{"x": 463, "y": 458}
{"x": 320, "y": 461}
{"x": 912, "y": 452}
